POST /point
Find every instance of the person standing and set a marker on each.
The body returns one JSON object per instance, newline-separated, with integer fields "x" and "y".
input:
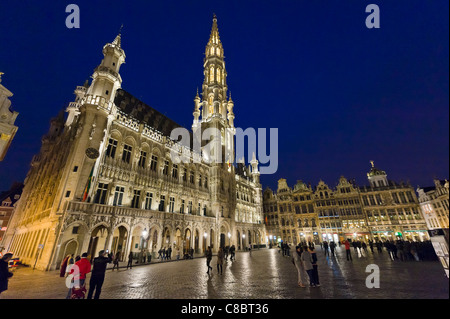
{"x": 116, "y": 261}
{"x": 4, "y": 272}
{"x": 371, "y": 245}
{"x": 98, "y": 274}
{"x": 332, "y": 247}
{"x": 130, "y": 260}
{"x": 220, "y": 256}
{"x": 325, "y": 247}
{"x": 315, "y": 272}
{"x": 296, "y": 259}
{"x": 226, "y": 251}
{"x": 347, "y": 250}
{"x": 63, "y": 267}
{"x": 70, "y": 263}
{"x": 232, "y": 253}
{"x": 307, "y": 264}
{"x": 208, "y": 259}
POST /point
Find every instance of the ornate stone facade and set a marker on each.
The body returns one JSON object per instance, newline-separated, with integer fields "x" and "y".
{"x": 383, "y": 210}
{"x": 105, "y": 178}
{"x": 7, "y": 118}
{"x": 434, "y": 204}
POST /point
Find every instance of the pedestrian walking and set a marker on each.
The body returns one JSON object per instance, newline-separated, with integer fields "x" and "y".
{"x": 400, "y": 251}
{"x": 307, "y": 263}
{"x": 4, "y": 272}
{"x": 220, "y": 256}
{"x": 347, "y": 250}
{"x": 250, "y": 249}
{"x": 116, "y": 261}
{"x": 98, "y": 274}
{"x": 371, "y": 245}
{"x": 325, "y": 247}
{"x": 332, "y": 247}
{"x": 226, "y": 251}
{"x": 208, "y": 259}
{"x": 130, "y": 260}
{"x": 414, "y": 251}
{"x": 296, "y": 259}
{"x": 315, "y": 272}
{"x": 379, "y": 247}
{"x": 364, "y": 247}
{"x": 233, "y": 253}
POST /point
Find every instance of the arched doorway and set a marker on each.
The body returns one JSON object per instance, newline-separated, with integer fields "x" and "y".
{"x": 166, "y": 238}
{"x": 97, "y": 241}
{"x": 211, "y": 239}
{"x": 178, "y": 239}
{"x": 205, "y": 242}
{"x": 187, "y": 239}
{"x": 155, "y": 240}
{"x": 238, "y": 241}
{"x": 223, "y": 237}
{"x": 196, "y": 241}
{"x": 71, "y": 248}
{"x": 120, "y": 236}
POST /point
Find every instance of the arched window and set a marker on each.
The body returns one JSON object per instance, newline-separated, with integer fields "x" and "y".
{"x": 211, "y": 74}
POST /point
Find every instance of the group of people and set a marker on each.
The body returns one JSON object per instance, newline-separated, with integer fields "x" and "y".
{"x": 222, "y": 255}
{"x": 403, "y": 250}
{"x": 165, "y": 254}
{"x": 305, "y": 260}
{"x": 76, "y": 269}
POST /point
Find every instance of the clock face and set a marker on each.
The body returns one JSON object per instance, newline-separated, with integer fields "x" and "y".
{"x": 92, "y": 153}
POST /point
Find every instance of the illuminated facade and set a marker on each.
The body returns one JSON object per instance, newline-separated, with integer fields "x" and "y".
{"x": 434, "y": 203}
{"x": 105, "y": 178}
{"x": 392, "y": 209}
{"x": 384, "y": 210}
{"x": 7, "y": 118}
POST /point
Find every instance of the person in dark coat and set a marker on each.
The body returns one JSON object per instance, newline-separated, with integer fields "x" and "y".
{"x": 4, "y": 272}
{"x": 208, "y": 258}
{"x": 98, "y": 274}
{"x": 130, "y": 260}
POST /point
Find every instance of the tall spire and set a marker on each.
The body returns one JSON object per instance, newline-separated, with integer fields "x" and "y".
{"x": 118, "y": 40}
{"x": 214, "y": 89}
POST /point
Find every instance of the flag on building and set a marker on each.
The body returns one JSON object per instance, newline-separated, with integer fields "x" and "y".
{"x": 88, "y": 185}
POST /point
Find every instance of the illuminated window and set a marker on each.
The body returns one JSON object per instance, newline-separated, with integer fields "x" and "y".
{"x": 211, "y": 74}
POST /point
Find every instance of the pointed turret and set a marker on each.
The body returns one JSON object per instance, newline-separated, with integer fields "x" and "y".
{"x": 106, "y": 78}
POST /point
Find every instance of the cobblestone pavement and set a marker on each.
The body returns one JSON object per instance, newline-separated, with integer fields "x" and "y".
{"x": 263, "y": 274}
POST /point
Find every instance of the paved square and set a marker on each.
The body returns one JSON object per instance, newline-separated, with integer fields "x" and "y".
{"x": 265, "y": 274}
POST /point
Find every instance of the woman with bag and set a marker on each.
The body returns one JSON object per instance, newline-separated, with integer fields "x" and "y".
{"x": 307, "y": 263}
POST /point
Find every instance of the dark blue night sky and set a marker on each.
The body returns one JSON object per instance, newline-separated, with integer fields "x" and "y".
{"x": 339, "y": 93}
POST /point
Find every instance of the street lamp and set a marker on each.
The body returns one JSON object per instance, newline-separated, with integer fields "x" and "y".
{"x": 144, "y": 233}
